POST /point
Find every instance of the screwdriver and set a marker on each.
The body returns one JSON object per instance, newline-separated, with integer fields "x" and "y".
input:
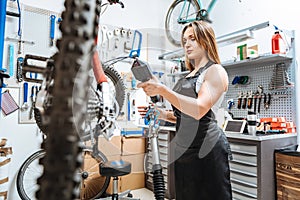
{"x": 52, "y": 29}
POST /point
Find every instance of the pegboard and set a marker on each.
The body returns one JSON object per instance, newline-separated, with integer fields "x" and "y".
{"x": 283, "y": 101}
{"x": 115, "y": 42}
{"x": 35, "y": 40}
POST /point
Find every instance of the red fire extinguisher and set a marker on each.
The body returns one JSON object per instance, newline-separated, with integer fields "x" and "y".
{"x": 278, "y": 44}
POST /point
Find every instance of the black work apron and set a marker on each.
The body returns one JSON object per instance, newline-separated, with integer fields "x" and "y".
{"x": 201, "y": 152}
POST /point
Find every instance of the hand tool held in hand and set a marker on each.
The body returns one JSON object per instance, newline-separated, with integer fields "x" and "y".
{"x": 142, "y": 72}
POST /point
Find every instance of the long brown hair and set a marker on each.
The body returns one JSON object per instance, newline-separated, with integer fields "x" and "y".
{"x": 205, "y": 36}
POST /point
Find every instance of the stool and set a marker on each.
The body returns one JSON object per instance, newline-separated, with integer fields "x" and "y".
{"x": 115, "y": 169}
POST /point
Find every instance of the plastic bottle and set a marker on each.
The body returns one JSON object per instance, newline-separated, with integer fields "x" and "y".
{"x": 278, "y": 45}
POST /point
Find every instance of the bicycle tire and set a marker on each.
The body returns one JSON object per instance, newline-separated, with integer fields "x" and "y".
{"x": 118, "y": 91}
{"x": 93, "y": 185}
{"x": 27, "y": 175}
{"x": 62, "y": 162}
{"x": 119, "y": 86}
{"x": 172, "y": 27}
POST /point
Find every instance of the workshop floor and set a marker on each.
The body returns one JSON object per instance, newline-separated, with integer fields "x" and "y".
{"x": 143, "y": 194}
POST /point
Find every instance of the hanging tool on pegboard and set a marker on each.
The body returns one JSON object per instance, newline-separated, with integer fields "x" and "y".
{"x": 136, "y": 50}
{"x": 52, "y": 29}
{"x": 20, "y": 42}
{"x": 9, "y": 105}
{"x": 2, "y": 32}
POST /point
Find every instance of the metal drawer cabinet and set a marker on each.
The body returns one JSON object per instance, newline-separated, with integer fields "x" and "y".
{"x": 243, "y": 169}
{"x": 252, "y": 167}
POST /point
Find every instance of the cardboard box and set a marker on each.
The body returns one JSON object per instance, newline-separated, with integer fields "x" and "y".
{"x": 109, "y": 148}
{"x": 244, "y": 52}
{"x": 135, "y": 180}
{"x": 136, "y": 160}
{"x": 273, "y": 119}
{"x": 133, "y": 145}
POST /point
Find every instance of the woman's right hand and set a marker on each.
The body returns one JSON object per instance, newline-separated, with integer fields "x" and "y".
{"x": 152, "y": 87}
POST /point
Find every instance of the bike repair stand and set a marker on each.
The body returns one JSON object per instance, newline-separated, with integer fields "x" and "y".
{"x": 158, "y": 179}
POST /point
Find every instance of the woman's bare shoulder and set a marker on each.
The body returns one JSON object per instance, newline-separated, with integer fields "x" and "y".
{"x": 217, "y": 68}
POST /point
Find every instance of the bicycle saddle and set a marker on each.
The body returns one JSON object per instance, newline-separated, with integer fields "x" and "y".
{"x": 115, "y": 168}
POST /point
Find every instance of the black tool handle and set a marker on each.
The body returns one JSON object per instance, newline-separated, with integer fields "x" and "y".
{"x": 255, "y": 102}
{"x": 244, "y": 102}
{"x": 259, "y": 102}
{"x": 239, "y": 103}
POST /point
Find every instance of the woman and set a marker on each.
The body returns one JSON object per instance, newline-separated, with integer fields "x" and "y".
{"x": 201, "y": 148}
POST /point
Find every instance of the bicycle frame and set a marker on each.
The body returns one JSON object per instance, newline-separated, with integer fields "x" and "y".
{"x": 186, "y": 19}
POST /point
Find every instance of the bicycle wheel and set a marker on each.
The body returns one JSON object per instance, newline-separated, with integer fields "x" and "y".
{"x": 117, "y": 90}
{"x": 62, "y": 162}
{"x": 28, "y": 175}
{"x": 172, "y": 27}
{"x": 93, "y": 185}
{"x": 117, "y": 84}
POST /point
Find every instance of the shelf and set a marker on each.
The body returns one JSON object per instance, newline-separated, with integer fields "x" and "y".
{"x": 272, "y": 58}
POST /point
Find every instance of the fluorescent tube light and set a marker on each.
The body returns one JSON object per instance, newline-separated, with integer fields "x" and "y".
{"x": 235, "y": 37}
{"x": 241, "y": 35}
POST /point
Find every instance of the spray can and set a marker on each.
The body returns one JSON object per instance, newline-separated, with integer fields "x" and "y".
{"x": 278, "y": 44}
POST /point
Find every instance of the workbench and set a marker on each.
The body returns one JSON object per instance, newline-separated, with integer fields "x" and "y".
{"x": 252, "y": 167}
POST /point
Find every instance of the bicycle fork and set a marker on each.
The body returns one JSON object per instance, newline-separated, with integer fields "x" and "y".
{"x": 158, "y": 179}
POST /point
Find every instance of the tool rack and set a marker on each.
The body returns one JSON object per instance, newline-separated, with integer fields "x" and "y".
{"x": 260, "y": 71}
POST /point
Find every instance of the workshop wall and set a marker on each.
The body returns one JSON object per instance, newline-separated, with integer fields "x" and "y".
{"x": 25, "y": 137}
{"x": 228, "y": 16}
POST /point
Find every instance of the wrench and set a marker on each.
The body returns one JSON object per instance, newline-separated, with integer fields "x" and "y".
{"x": 25, "y": 104}
{"x": 104, "y": 43}
{"x": 110, "y": 36}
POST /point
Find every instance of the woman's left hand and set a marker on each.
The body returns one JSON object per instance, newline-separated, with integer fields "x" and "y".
{"x": 152, "y": 87}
